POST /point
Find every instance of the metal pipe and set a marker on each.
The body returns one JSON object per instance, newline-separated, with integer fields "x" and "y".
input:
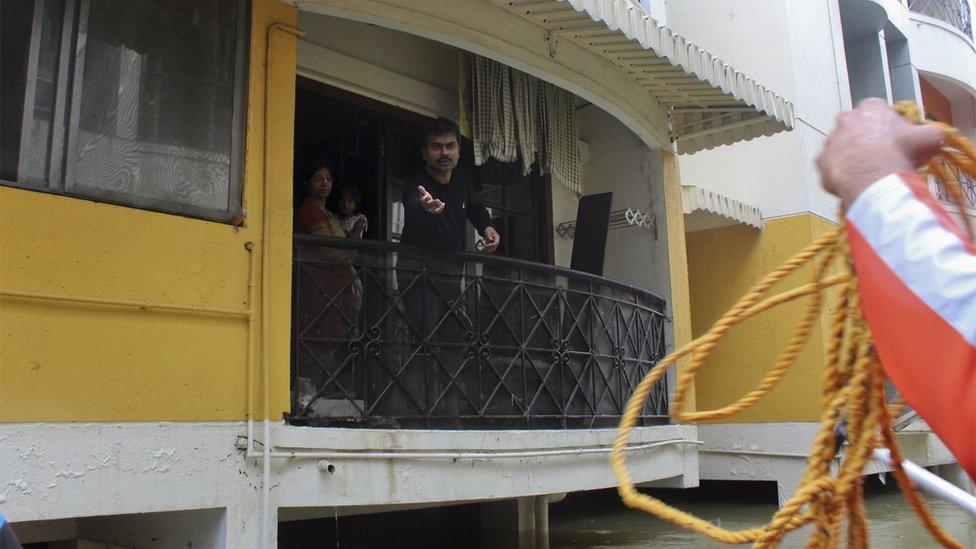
{"x": 249, "y": 405}
{"x": 123, "y": 304}
{"x": 931, "y": 482}
{"x": 297, "y": 453}
{"x": 265, "y": 282}
{"x": 754, "y": 453}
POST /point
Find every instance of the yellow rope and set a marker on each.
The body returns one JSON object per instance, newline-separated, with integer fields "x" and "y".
{"x": 853, "y": 390}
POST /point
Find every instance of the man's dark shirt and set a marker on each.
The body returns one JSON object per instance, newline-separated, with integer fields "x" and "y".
{"x": 446, "y": 231}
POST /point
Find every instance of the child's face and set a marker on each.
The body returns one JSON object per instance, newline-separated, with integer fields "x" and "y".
{"x": 347, "y": 205}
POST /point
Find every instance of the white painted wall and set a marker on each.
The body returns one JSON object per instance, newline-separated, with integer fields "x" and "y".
{"x": 750, "y": 35}
{"x": 940, "y": 49}
{"x": 622, "y": 164}
{"x": 401, "y": 69}
{"x": 564, "y": 208}
{"x": 779, "y": 451}
{"x": 794, "y": 47}
{"x": 146, "y": 471}
{"x": 429, "y": 62}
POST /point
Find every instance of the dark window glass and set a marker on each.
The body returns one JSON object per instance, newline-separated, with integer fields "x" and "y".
{"x": 156, "y": 107}
{"x": 154, "y": 114}
{"x": 515, "y": 203}
{"x": 30, "y": 33}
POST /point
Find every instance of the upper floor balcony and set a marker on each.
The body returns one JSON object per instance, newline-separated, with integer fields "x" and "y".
{"x": 954, "y": 12}
{"x": 387, "y": 335}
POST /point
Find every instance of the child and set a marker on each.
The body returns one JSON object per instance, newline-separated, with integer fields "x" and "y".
{"x": 352, "y": 221}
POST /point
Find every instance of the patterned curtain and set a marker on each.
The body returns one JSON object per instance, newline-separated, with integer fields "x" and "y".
{"x": 516, "y": 115}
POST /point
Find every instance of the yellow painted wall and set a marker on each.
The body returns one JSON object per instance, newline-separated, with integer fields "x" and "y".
{"x": 722, "y": 264}
{"x": 63, "y": 362}
{"x": 678, "y": 263}
{"x": 82, "y": 362}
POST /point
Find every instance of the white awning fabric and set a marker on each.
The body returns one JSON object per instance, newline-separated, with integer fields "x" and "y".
{"x": 710, "y": 103}
{"x": 695, "y": 198}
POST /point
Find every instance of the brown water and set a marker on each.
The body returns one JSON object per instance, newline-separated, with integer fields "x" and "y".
{"x": 600, "y": 520}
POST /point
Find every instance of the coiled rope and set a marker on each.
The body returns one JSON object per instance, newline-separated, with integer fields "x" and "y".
{"x": 853, "y": 389}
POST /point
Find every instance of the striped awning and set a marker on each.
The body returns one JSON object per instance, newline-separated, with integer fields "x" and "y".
{"x": 695, "y": 198}
{"x": 709, "y": 102}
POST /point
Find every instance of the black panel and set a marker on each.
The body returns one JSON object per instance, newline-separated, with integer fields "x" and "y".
{"x": 590, "y": 240}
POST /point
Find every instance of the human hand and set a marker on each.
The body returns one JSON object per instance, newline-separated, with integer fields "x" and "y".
{"x": 492, "y": 239}
{"x": 360, "y": 225}
{"x": 428, "y": 202}
{"x": 870, "y": 142}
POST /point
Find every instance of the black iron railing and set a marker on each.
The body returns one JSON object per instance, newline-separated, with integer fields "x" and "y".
{"x": 953, "y": 12}
{"x": 386, "y": 335}
{"x": 967, "y": 183}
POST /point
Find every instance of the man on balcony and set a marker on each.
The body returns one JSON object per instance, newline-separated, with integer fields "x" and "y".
{"x": 437, "y": 200}
{"x": 438, "y": 203}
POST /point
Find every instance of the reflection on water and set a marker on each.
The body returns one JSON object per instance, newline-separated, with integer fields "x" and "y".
{"x": 600, "y": 520}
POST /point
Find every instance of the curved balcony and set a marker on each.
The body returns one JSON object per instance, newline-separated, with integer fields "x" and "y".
{"x": 953, "y": 12}
{"x": 387, "y": 335}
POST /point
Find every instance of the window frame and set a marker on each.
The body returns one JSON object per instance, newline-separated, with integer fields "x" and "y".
{"x": 62, "y": 148}
{"x": 540, "y": 216}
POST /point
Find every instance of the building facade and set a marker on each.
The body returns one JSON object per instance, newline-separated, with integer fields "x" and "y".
{"x": 752, "y": 205}
{"x": 179, "y": 367}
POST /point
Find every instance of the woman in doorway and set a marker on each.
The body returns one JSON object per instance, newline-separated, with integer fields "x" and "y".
{"x": 312, "y": 216}
{"x": 327, "y": 297}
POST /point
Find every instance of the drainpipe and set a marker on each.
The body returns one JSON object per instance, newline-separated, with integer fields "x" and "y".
{"x": 251, "y": 297}
{"x": 286, "y": 452}
{"x": 265, "y": 282}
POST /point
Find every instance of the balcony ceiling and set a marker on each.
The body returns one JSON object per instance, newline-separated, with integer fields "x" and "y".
{"x": 709, "y": 102}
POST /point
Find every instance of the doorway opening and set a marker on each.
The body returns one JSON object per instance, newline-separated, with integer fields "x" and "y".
{"x": 373, "y": 146}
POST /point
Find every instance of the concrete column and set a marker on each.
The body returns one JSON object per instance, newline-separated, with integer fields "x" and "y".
{"x": 243, "y": 527}
{"x": 867, "y": 67}
{"x": 522, "y": 523}
{"x": 904, "y": 79}
{"x": 541, "y": 511}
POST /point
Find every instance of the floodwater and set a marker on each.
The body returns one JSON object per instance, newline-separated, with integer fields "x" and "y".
{"x": 599, "y": 520}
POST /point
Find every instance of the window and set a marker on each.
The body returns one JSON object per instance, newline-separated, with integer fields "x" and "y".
{"x": 135, "y": 103}
{"x": 516, "y": 204}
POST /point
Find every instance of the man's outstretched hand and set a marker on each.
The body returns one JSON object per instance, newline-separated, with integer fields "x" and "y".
{"x": 428, "y": 202}
{"x": 492, "y": 239}
{"x": 869, "y": 143}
